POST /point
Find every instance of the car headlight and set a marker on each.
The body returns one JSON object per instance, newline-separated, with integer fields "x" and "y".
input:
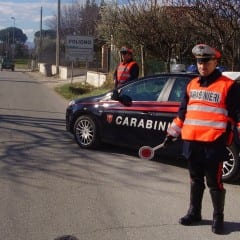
{"x": 71, "y": 103}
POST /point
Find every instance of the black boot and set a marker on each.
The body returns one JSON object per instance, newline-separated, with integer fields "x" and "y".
{"x": 194, "y": 212}
{"x": 218, "y": 200}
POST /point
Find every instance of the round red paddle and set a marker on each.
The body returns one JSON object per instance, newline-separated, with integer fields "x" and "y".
{"x": 147, "y": 152}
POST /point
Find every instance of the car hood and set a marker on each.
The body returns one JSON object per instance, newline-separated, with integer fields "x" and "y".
{"x": 91, "y": 99}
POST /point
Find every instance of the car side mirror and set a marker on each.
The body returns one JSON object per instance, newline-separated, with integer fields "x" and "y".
{"x": 115, "y": 95}
{"x": 125, "y": 100}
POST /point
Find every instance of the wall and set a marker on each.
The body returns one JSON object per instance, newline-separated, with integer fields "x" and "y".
{"x": 96, "y": 78}
{"x": 93, "y": 78}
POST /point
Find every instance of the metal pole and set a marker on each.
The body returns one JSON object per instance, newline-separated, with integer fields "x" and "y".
{"x": 58, "y": 40}
{"x": 142, "y": 60}
{"x": 40, "y": 38}
{"x": 13, "y": 44}
{"x": 8, "y": 45}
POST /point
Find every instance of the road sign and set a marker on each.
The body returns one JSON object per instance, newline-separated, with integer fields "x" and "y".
{"x": 79, "y": 48}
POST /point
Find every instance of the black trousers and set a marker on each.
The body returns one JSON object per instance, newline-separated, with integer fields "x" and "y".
{"x": 205, "y": 160}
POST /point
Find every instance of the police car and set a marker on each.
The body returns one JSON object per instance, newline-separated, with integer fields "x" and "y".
{"x": 135, "y": 115}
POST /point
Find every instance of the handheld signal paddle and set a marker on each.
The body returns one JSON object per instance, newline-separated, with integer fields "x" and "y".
{"x": 147, "y": 152}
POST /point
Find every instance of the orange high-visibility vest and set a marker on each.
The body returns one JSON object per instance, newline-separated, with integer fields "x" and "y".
{"x": 206, "y": 117}
{"x": 123, "y": 72}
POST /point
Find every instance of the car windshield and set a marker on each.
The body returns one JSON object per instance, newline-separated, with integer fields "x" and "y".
{"x": 145, "y": 90}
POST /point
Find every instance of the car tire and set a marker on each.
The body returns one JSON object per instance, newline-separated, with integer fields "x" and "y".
{"x": 231, "y": 167}
{"x": 86, "y": 132}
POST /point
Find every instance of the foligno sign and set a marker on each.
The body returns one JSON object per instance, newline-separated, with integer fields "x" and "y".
{"x": 79, "y": 48}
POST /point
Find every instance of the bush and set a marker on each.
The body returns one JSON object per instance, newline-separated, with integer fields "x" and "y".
{"x": 80, "y": 88}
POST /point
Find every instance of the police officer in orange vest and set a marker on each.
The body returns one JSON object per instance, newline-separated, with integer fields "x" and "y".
{"x": 209, "y": 108}
{"x": 127, "y": 70}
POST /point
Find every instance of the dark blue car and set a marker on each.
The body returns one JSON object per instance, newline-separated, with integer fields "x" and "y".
{"x": 7, "y": 63}
{"x": 135, "y": 115}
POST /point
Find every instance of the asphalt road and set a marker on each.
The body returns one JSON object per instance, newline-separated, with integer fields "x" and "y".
{"x": 50, "y": 187}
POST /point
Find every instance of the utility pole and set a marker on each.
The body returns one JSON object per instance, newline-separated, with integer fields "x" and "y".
{"x": 142, "y": 60}
{"x": 58, "y": 39}
{"x": 40, "y": 38}
{"x": 13, "y": 44}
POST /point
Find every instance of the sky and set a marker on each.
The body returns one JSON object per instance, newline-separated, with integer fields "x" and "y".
{"x": 27, "y": 14}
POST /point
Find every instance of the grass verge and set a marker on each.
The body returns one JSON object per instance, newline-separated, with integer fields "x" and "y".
{"x": 79, "y": 90}
{"x": 22, "y": 63}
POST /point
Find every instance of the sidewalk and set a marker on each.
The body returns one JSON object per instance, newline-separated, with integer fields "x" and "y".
{"x": 54, "y": 81}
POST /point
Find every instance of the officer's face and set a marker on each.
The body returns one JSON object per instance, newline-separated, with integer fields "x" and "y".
{"x": 126, "y": 56}
{"x": 205, "y": 67}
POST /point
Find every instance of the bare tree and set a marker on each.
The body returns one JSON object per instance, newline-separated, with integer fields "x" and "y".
{"x": 108, "y": 24}
{"x": 160, "y": 29}
{"x": 78, "y": 19}
{"x": 166, "y": 29}
{"x": 217, "y": 23}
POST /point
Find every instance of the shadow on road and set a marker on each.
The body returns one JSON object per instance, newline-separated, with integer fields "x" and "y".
{"x": 229, "y": 227}
{"x": 41, "y": 145}
{"x": 38, "y": 144}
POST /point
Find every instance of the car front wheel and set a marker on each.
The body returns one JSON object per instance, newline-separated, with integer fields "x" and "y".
{"x": 86, "y": 132}
{"x": 231, "y": 167}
